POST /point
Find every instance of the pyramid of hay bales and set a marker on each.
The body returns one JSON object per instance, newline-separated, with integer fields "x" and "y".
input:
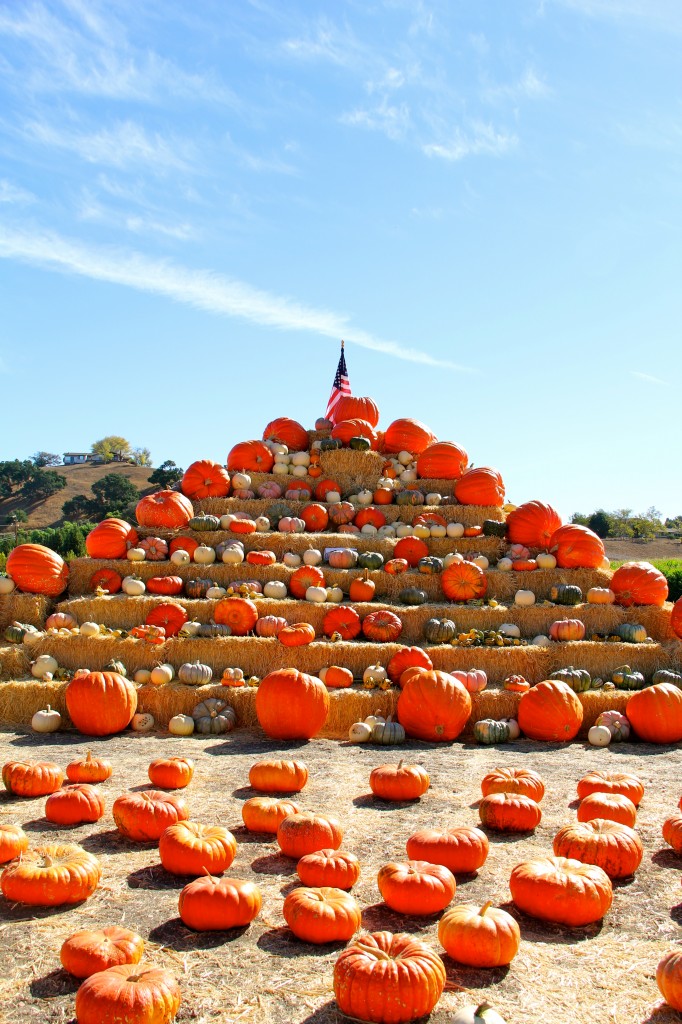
{"x": 367, "y": 542}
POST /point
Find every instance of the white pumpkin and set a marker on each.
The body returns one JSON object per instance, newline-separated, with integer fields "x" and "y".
{"x": 422, "y": 530}
{"x": 509, "y": 629}
{"x": 89, "y": 629}
{"x": 233, "y": 554}
{"x": 438, "y": 530}
{"x": 452, "y": 556}
{"x": 181, "y": 725}
{"x": 513, "y": 726}
{"x": 599, "y": 735}
{"x": 605, "y": 563}
{"x": 281, "y": 469}
{"x": 44, "y": 665}
{"x": 47, "y": 720}
{"x": 408, "y": 476}
{"x": 32, "y": 635}
{"x": 276, "y": 589}
{"x": 369, "y": 530}
{"x": 455, "y": 530}
{"x": 142, "y": 722}
{"x": 142, "y": 676}
{"x": 317, "y": 595}
{"x": 545, "y": 560}
{"x": 133, "y": 586}
{"x": 136, "y": 554}
{"x": 226, "y": 521}
{"x": 7, "y": 585}
{"x": 291, "y": 559}
{"x": 180, "y": 557}
{"x": 365, "y": 497}
{"x": 276, "y": 447}
{"x": 433, "y": 498}
{"x": 541, "y": 640}
{"x": 504, "y": 565}
{"x": 204, "y": 555}
{"x": 600, "y": 595}
{"x": 335, "y": 595}
{"x": 404, "y": 530}
{"x": 240, "y": 482}
{"x": 262, "y": 524}
{"x": 376, "y": 672}
{"x": 282, "y": 458}
{"x": 524, "y": 598}
{"x": 312, "y": 557}
{"x": 332, "y": 497}
{"x": 360, "y": 732}
{"x": 404, "y": 458}
{"x": 299, "y": 471}
{"x": 373, "y": 720}
{"x": 481, "y": 1013}
{"x": 481, "y": 561}
{"x": 162, "y": 674}
{"x": 301, "y": 459}
{"x": 190, "y": 628}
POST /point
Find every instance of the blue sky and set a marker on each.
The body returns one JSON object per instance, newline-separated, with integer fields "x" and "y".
{"x": 197, "y": 202}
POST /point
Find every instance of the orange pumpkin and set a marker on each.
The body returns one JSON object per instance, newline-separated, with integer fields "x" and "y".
{"x": 101, "y": 703}
{"x": 164, "y": 508}
{"x": 298, "y": 634}
{"x": 250, "y": 457}
{"x": 412, "y": 549}
{"x": 396, "y": 566}
{"x": 433, "y": 706}
{"x": 561, "y": 890}
{"x": 514, "y": 780}
{"x": 338, "y": 678}
{"x": 13, "y": 841}
{"x": 169, "y": 586}
{"x": 480, "y": 486}
{"x": 77, "y": 804}
{"x": 205, "y": 479}
{"x": 479, "y": 936}
{"x": 287, "y": 431}
{"x": 31, "y": 778}
{"x": 550, "y": 711}
{"x": 306, "y": 576}
{"x": 382, "y": 626}
{"x": 143, "y": 816}
{"x": 362, "y": 588}
{"x": 345, "y": 429}
{"x": 443, "y": 460}
{"x": 416, "y": 887}
{"x": 261, "y": 557}
{"x": 217, "y": 904}
{"x": 655, "y": 713}
{"x": 320, "y": 915}
{"x": 89, "y": 769}
{"x": 291, "y": 704}
{"x": 463, "y": 849}
{"x": 188, "y": 544}
{"x": 509, "y": 812}
{"x": 265, "y": 813}
{"x": 51, "y": 875}
{"x": 342, "y": 620}
{"x": 315, "y": 517}
{"x": 532, "y": 524}
{"x": 463, "y": 581}
{"x": 611, "y": 806}
{"x": 277, "y": 776}
{"x": 676, "y": 618}
{"x": 190, "y": 848}
{"x": 407, "y": 435}
{"x": 135, "y": 996}
{"x": 611, "y": 782}
{"x": 38, "y": 570}
{"x": 111, "y": 539}
{"x": 639, "y": 583}
{"x": 323, "y": 488}
{"x": 171, "y": 772}
{"x": 567, "y": 629}
{"x": 576, "y": 547}
{"x": 329, "y": 867}
{"x": 399, "y": 781}
{"x": 407, "y": 657}
{"x": 370, "y": 516}
{"x": 611, "y": 845}
{"x": 106, "y": 579}
{"x": 306, "y": 832}
{"x": 86, "y": 952}
{"x": 351, "y": 407}
{"x": 669, "y": 978}
{"x": 169, "y": 615}
{"x": 239, "y": 613}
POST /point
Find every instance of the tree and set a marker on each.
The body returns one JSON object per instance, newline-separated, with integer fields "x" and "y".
{"x": 110, "y": 446}
{"x": 141, "y": 456}
{"x": 600, "y": 523}
{"x": 114, "y": 493}
{"x": 42, "y": 459}
{"x": 17, "y": 516}
{"x": 16, "y": 472}
{"x": 79, "y": 508}
{"x": 166, "y": 474}
{"x": 42, "y": 484}
{"x": 580, "y": 519}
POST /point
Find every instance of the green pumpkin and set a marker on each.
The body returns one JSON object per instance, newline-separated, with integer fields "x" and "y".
{"x": 198, "y": 587}
{"x": 195, "y": 674}
{"x": 410, "y": 498}
{"x": 213, "y": 629}
{"x": 578, "y": 679}
{"x": 493, "y": 528}
{"x": 489, "y": 730}
{"x": 664, "y": 675}
{"x": 330, "y": 444}
{"x": 626, "y": 679}
{"x": 116, "y": 666}
{"x": 566, "y": 593}
{"x": 388, "y": 733}
{"x": 359, "y": 444}
{"x": 204, "y": 523}
{"x": 413, "y": 596}
{"x": 430, "y": 565}
{"x": 213, "y": 716}
{"x": 440, "y": 631}
{"x": 16, "y": 632}
{"x": 370, "y": 560}
{"x": 631, "y": 632}
{"x": 278, "y": 510}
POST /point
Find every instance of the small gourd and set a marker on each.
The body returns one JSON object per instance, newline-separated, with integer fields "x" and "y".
{"x": 360, "y": 732}
{"x": 627, "y": 679}
{"x": 618, "y": 723}
{"x": 44, "y": 665}
{"x": 388, "y": 733}
{"x": 232, "y": 677}
{"x": 89, "y": 629}
{"x": 136, "y": 554}
{"x": 133, "y": 586}
{"x": 373, "y": 720}
{"x": 116, "y": 666}
{"x": 181, "y": 725}
{"x": 524, "y": 598}
{"x": 600, "y": 595}
{"x": 504, "y": 564}
{"x": 194, "y": 673}
{"x": 490, "y": 730}
{"x": 204, "y": 555}
{"x": 47, "y": 720}
{"x": 545, "y": 560}
{"x": 565, "y": 594}
{"x": 509, "y": 629}
{"x": 180, "y": 557}
{"x": 599, "y": 735}
{"x": 376, "y": 673}
{"x": 161, "y": 674}
{"x": 142, "y": 722}
{"x": 7, "y": 584}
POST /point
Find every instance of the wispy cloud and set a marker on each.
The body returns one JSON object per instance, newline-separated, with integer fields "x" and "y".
{"x": 92, "y": 210}
{"x": 201, "y": 289}
{"x": 125, "y": 144}
{"x": 10, "y": 193}
{"x": 649, "y": 377}
{"x": 392, "y": 119}
{"x": 483, "y": 139}
{"x": 528, "y": 86}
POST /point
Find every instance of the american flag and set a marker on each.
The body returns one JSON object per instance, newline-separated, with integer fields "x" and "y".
{"x": 340, "y": 387}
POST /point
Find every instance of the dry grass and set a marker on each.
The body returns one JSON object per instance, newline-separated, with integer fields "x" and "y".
{"x": 262, "y": 974}
{"x": 32, "y": 609}
{"x": 14, "y": 661}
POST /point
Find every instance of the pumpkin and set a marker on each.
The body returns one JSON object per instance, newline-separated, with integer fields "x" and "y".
{"x": 396, "y": 566}
{"x": 433, "y": 706}
{"x": 479, "y": 936}
{"x": 611, "y": 782}
{"x": 656, "y": 713}
{"x": 399, "y": 782}
{"x": 382, "y": 626}
{"x": 612, "y": 806}
{"x": 288, "y": 432}
{"x": 360, "y": 732}
{"x": 354, "y": 429}
{"x": 341, "y": 512}
{"x": 155, "y": 549}
{"x": 611, "y": 845}
{"x": 322, "y": 915}
{"x": 663, "y": 675}
{"x": 341, "y": 558}
{"x": 509, "y": 812}
{"x": 565, "y": 593}
{"x": 639, "y": 583}
{"x": 329, "y": 868}
{"x": 416, "y": 887}
{"x": 291, "y": 704}
{"x": 306, "y": 576}
{"x": 567, "y": 629}
{"x": 101, "y": 703}
{"x": 676, "y": 618}
{"x": 171, "y": 772}
{"x": 407, "y": 657}
{"x": 47, "y": 720}
{"x": 412, "y": 549}
{"x": 195, "y": 674}
{"x": 142, "y": 722}
{"x": 463, "y": 581}
{"x": 353, "y": 407}
{"x": 86, "y": 952}
{"x": 442, "y": 460}
{"x": 617, "y": 724}
{"x": 342, "y": 620}
{"x": 171, "y": 586}
{"x": 480, "y": 486}
{"x": 239, "y": 613}
{"x": 599, "y": 735}
{"x": 370, "y": 516}
{"x": 164, "y": 508}
{"x": 561, "y": 890}
{"x": 205, "y": 479}
{"x": 106, "y": 579}
{"x": 600, "y": 595}
{"x": 631, "y": 632}
{"x": 626, "y": 679}
{"x": 369, "y": 978}
{"x": 524, "y": 781}
{"x": 37, "y": 569}
{"x": 413, "y": 596}
{"x": 481, "y": 1013}
{"x": 89, "y": 769}
{"x": 136, "y": 996}
{"x": 671, "y": 832}
{"x": 516, "y": 683}
{"x": 181, "y": 725}
{"x": 276, "y": 776}
{"x": 110, "y": 539}
{"x": 489, "y": 731}
{"x": 669, "y": 978}
{"x": 250, "y": 456}
{"x": 142, "y": 816}
{"x": 388, "y": 733}
{"x": 168, "y": 614}
{"x": 74, "y": 805}
{"x": 579, "y": 679}
{"x": 409, "y": 435}
{"x": 336, "y": 677}
{"x": 299, "y": 834}
{"x": 430, "y": 565}
{"x": 298, "y": 634}
{"x": 31, "y": 778}
{"x": 463, "y": 850}
{"x": 269, "y": 625}
{"x": 576, "y": 547}
{"x": 213, "y": 717}
{"x": 190, "y": 848}
{"x": 440, "y": 631}
{"x": 532, "y": 524}
{"x": 51, "y": 875}
{"x": 265, "y": 813}
{"x": 217, "y": 904}
{"x": 550, "y": 711}
{"x": 186, "y": 544}
{"x": 315, "y": 517}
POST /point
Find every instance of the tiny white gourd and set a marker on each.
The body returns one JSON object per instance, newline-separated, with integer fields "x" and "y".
{"x": 376, "y": 672}
{"x": 438, "y": 531}
{"x": 241, "y": 482}
{"x": 262, "y": 524}
{"x": 404, "y": 458}
{"x": 369, "y": 530}
{"x": 215, "y": 592}
{"x": 504, "y": 564}
{"x": 482, "y": 1013}
{"x": 452, "y": 556}
{"x": 291, "y": 559}
{"x": 422, "y": 531}
{"x": 142, "y": 722}
{"x": 204, "y": 555}
{"x": 335, "y": 595}
{"x": 513, "y": 726}
{"x": 181, "y": 725}
{"x": 47, "y": 720}
{"x": 545, "y": 560}
{"x": 301, "y": 459}
{"x": 373, "y": 720}
{"x": 524, "y": 598}
{"x": 333, "y": 497}
{"x": 433, "y": 498}
{"x": 7, "y": 585}
{"x": 404, "y": 530}
{"x": 599, "y": 735}
{"x": 481, "y": 561}
{"x": 541, "y": 640}
{"x": 509, "y": 629}
{"x": 226, "y": 521}
{"x": 317, "y": 595}
{"x": 360, "y": 732}
{"x": 365, "y": 497}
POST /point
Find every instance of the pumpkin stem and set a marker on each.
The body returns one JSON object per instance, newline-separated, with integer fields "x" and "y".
{"x": 485, "y": 908}
{"x": 380, "y": 954}
{"x": 400, "y": 763}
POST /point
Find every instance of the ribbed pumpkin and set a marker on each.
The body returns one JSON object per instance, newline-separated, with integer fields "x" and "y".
{"x": 307, "y": 832}
{"x": 217, "y": 904}
{"x": 170, "y": 586}
{"x": 291, "y": 705}
{"x": 287, "y": 431}
{"x": 551, "y": 711}
{"x": 399, "y": 781}
{"x": 143, "y": 816}
{"x": 463, "y": 849}
{"x": 412, "y": 549}
{"x": 576, "y": 547}
{"x": 306, "y": 576}
{"x": 239, "y": 613}
{"x": 416, "y": 887}
{"x": 433, "y": 706}
{"x": 250, "y": 456}
{"x": 407, "y": 435}
{"x": 480, "y": 486}
{"x": 382, "y": 626}
{"x": 277, "y": 776}
{"x": 38, "y": 570}
{"x": 315, "y": 517}
{"x": 656, "y": 713}
{"x": 509, "y": 812}
{"x": 86, "y": 952}
{"x": 463, "y": 581}
{"x": 561, "y": 890}
{"x": 343, "y": 620}
{"x": 344, "y": 430}
{"x": 329, "y": 867}
{"x": 611, "y": 782}
{"x": 169, "y": 615}
{"x": 676, "y": 618}
{"x": 324, "y": 914}
{"x": 639, "y": 583}
{"x": 110, "y": 539}
{"x": 532, "y": 524}
{"x": 106, "y": 579}
{"x": 266, "y": 813}
{"x": 612, "y": 846}
{"x": 351, "y": 407}
{"x": 164, "y": 508}
{"x": 191, "y": 848}
{"x": 443, "y": 460}
{"x": 101, "y": 703}
{"x": 407, "y": 657}
{"x": 479, "y": 936}
{"x": 513, "y": 780}
{"x": 669, "y": 978}
{"x": 205, "y": 479}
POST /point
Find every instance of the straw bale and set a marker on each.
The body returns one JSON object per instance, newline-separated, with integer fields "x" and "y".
{"x": 20, "y": 699}
{"x": 15, "y": 661}
{"x": 600, "y": 659}
{"x": 350, "y": 468}
{"x": 469, "y": 515}
{"x": 30, "y": 608}
{"x": 534, "y": 663}
{"x": 503, "y": 585}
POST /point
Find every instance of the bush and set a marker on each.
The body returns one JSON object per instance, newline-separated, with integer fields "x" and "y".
{"x": 672, "y": 570}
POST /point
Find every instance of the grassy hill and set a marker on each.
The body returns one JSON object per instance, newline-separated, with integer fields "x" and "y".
{"x": 79, "y": 481}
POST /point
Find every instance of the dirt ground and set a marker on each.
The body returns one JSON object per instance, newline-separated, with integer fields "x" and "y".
{"x": 642, "y": 551}
{"x": 604, "y": 972}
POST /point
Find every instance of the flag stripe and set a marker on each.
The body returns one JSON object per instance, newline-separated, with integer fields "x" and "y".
{"x": 341, "y": 385}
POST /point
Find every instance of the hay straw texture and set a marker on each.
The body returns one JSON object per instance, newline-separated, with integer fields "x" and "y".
{"x": 29, "y": 608}
{"x": 468, "y": 515}
{"x": 15, "y": 661}
{"x": 19, "y": 700}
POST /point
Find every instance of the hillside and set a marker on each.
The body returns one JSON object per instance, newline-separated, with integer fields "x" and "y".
{"x": 79, "y": 480}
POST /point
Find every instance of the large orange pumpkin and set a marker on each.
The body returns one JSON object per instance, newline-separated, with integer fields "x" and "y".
{"x": 111, "y": 539}
{"x": 611, "y": 782}
{"x": 480, "y": 486}
{"x": 463, "y": 849}
{"x": 382, "y": 626}
{"x": 164, "y": 508}
{"x": 239, "y": 613}
{"x": 655, "y": 713}
{"x": 217, "y": 904}
{"x": 412, "y": 549}
{"x": 669, "y": 978}
{"x": 133, "y": 995}
{"x": 551, "y": 711}
{"x": 639, "y": 583}
{"x": 307, "y": 832}
{"x": 345, "y": 429}
{"x": 407, "y": 435}
{"x": 144, "y": 816}
{"x": 190, "y": 848}
{"x": 343, "y": 620}
{"x": 101, "y": 703}
{"x": 291, "y": 705}
{"x": 38, "y": 570}
{"x": 85, "y": 952}
{"x": 407, "y": 657}
{"x": 416, "y": 887}
{"x": 479, "y": 936}
{"x": 169, "y": 615}
{"x": 351, "y": 407}
{"x": 612, "y": 846}
{"x": 442, "y": 460}
{"x": 50, "y": 875}
{"x": 433, "y": 706}
{"x": 298, "y": 634}
{"x": 463, "y": 581}
{"x": 205, "y": 479}
{"x": 288, "y": 432}
{"x": 676, "y": 618}
{"x": 562, "y": 890}
{"x": 250, "y": 456}
{"x": 532, "y": 524}
{"x": 315, "y": 517}
{"x": 576, "y": 547}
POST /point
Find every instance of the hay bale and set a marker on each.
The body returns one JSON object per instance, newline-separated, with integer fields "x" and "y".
{"x": 600, "y": 659}
{"x": 503, "y": 585}
{"x": 15, "y": 661}
{"x": 32, "y": 609}
{"x": 20, "y": 699}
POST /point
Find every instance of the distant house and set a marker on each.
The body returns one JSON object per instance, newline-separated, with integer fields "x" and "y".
{"x": 78, "y": 458}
